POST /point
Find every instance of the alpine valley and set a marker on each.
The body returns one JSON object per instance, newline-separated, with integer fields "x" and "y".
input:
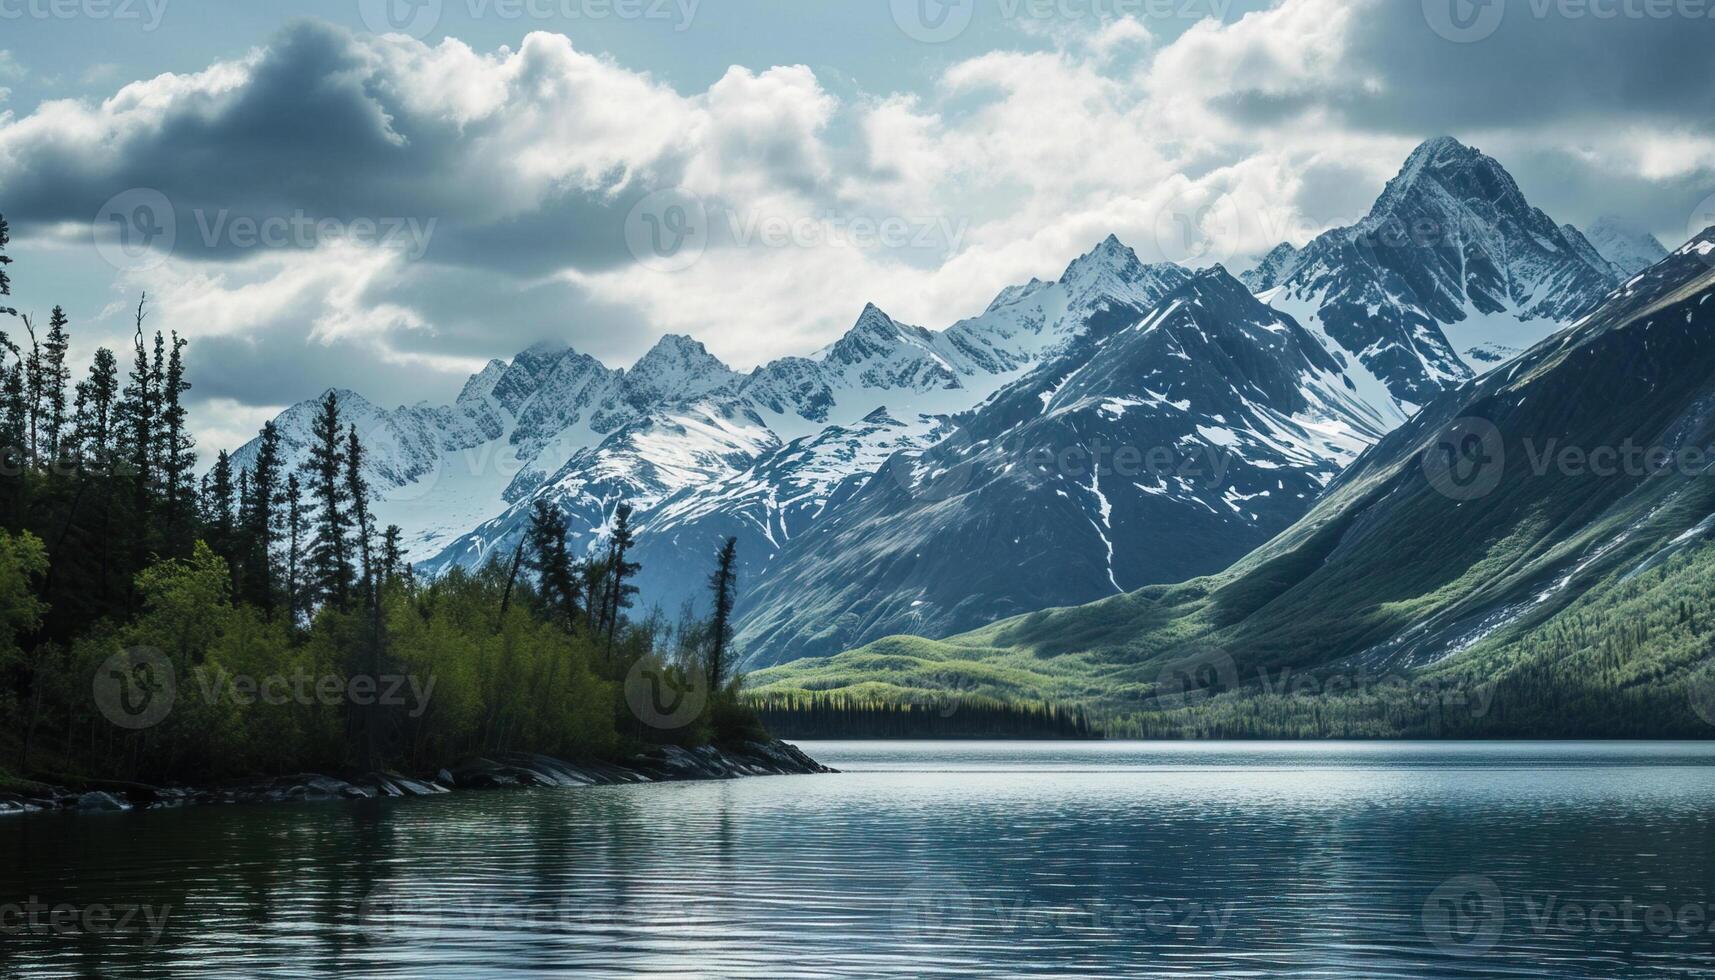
{"x": 1096, "y": 439}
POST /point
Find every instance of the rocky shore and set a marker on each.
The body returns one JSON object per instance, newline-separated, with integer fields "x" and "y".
{"x": 669, "y": 763}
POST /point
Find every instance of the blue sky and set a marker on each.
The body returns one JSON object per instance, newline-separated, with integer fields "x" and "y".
{"x": 387, "y": 212}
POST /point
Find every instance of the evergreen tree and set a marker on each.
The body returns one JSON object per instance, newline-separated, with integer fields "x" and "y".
{"x": 5, "y": 260}
{"x": 97, "y": 408}
{"x": 724, "y": 584}
{"x": 328, "y": 562}
{"x": 363, "y": 524}
{"x": 392, "y": 556}
{"x": 35, "y": 395}
{"x": 218, "y": 510}
{"x": 619, "y": 572}
{"x": 556, "y": 577}
{"x": 14, "y": 417}
{"x": 593, "y": 572}
{"x": 137, "y": 408}
{"x": 294, "y": 548}
{"x": 261, "y": 520}
{"x": 176, "y": 454}
{"x": 56, "y": 378}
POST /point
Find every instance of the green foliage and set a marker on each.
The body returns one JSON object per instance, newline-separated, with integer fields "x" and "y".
{"x": 281, "y": 632}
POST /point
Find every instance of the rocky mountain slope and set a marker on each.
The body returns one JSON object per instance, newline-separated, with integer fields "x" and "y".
{"x": 1533, "y": 552}
{"x": 1165, "y": 444}
{"x": 1452, "y": 273}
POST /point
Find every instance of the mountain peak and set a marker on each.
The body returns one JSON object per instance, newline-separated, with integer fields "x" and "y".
{"x": 1110, "y": 255}
{"x": 1630, "y": 248}
{"x": 1446, "y": 165}
{"x": 677, "y": 351}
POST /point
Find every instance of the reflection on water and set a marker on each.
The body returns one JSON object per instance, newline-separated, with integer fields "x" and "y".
{"x": 922, "y": 859}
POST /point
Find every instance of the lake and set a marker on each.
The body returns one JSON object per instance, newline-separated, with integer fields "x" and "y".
{"x": 1362, "y": 860}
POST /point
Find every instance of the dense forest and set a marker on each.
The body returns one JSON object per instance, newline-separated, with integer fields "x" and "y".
{"x": 816, "y": 716}
{"x": 161, "y": 625}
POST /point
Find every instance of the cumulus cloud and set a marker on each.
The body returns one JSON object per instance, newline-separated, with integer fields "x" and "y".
{"x": 528, "y": 162}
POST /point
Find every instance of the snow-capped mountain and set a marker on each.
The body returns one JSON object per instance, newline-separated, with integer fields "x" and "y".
{"x": 1162, "y": 445}
{"x": 903, "y": 478}
{"x": 1280, "y": 262}
{"x": 834, "y": 419}
{"x": 643, "y": 462}
{"x": 1452, "y": 273}
{"x": 1628, "y": 247}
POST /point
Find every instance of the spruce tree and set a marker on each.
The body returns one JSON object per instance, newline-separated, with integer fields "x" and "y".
{"x": 294, "y": 548}
{"x": 97, "y": 408}
{"x": 556, "y": 578}
{"x": 392, "y": 555}
{"x": 724, "y": 584}
{"x": 619, "y": 571}
{"x": 5, "y": 260}
{"x": 261, "y": 520}
{"x": 328, "y": 562}
{"x": 218, "y": 510}
{"x": 35, "y": 395}
{"x": 363, "y": 524}
{"x": 56, "y": 378}
{"x": 176, "y": 454}
{"x": 138, "y": 411}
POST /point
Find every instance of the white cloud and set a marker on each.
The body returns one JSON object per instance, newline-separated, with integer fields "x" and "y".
{"x": 1252, "y": 131}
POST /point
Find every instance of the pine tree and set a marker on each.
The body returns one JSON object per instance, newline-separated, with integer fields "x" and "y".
{"x": 328, "y": 563}
{"x": 619, "y": 571}
{"x": 724, "y": 584}
{"x": 261, "y": 520}
{"x": 176, "y": 454}
{"x": 5, "y": 260}
{"x": 363, "y": 525}
{"x": 56, "y": 378}
{"x": 218, "y": 510}
{"x": 392, "y": 555}
{"x": 593, "y": 572}
{"x": 552, "y": 561}
{"x": 14, "y": 422}
{"x": 138, "y": 410}
{"x": 294, "y": 548}
{"x": 35, "y": 395}
{"x": 97, "y": 407}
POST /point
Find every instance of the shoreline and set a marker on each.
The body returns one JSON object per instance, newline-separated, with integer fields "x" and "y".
{"x": 496, "y": 770}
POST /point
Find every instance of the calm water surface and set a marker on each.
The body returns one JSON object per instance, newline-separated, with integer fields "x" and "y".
{"x": 925, "y": 859}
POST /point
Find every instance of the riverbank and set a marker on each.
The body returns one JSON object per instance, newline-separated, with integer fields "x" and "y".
{"x": 667, "y": 763}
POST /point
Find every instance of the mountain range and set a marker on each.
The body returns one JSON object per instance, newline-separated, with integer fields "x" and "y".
{"x": 1531, "y": 554}
{"x": 1124, "y": 425}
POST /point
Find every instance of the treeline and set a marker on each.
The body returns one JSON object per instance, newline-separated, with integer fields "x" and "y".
{"x": 836, "y": 716}
{"x": 260, "y": 612}
{"x": 1634, "y": 657}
